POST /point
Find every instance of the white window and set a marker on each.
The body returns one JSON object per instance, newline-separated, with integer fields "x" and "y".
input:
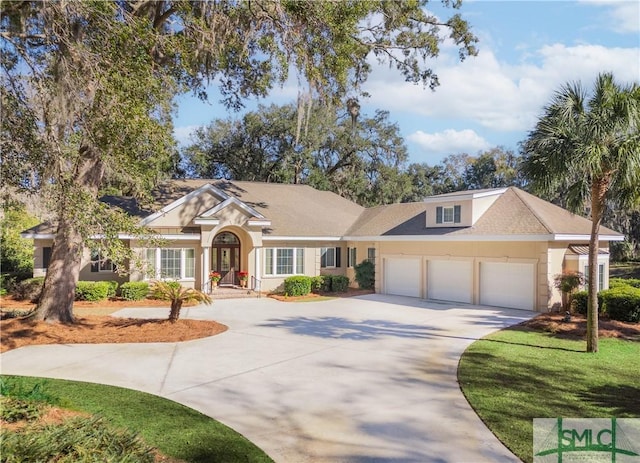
{"x": 283, "y": 261}
{"x": 600, "y": 276}
{"x": 330, "y": 257}
{"x": 447, "y": 214}
{"x": 99, "y": 263}
{"x": 171, "y": 263}
{"x": 371, "y": 255}
{"x": 351, "y": 257}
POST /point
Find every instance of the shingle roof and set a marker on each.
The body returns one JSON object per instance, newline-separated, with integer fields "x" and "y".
{"x": 294, "y": 210}
{"x": 515, "y": 212}
{"x": 300, "y": 210}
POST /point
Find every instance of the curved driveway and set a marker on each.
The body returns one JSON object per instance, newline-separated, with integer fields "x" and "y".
{"x": 365, "y": 379}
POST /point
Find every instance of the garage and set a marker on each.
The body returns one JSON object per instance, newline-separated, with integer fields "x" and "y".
{"x": 509, "y": 285}
{"x": 450, "y": 280}
{"x": 402, "y": 276}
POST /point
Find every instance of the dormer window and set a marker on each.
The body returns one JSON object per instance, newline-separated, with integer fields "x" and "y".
{"x": 448, "y": 214}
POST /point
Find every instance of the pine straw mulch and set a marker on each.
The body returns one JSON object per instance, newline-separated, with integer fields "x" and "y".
{"x": 577, "y": 327}
{"x": 95, "y": 326}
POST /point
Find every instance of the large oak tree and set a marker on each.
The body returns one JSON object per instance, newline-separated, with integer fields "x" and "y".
{"x": 88, "y": 86}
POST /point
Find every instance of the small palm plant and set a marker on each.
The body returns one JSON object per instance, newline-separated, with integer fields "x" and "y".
{"x": 567, "y": 283}
{"x": 177, "y": 294}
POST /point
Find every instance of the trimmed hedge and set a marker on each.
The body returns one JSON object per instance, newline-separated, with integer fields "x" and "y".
{"x": 113, "y": 289}
{"x": 622, "y": 303}
{"x": 134, "y": 290}
{"x": 297, "y": 285}
{"x": 339, "y": 283}
{"x": 365, "y": 274}
{"x": 621, "y": 282}
{"x": 92, "y": 290}
{"x": 29, "y": 289}
{"x": 317, "y": 284}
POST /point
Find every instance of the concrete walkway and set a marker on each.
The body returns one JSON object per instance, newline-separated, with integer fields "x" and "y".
{"x": 366, "y": 379}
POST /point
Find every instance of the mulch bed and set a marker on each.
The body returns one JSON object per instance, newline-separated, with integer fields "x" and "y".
{"x": 18, "y": 332}
{"x": 577, "y": 327}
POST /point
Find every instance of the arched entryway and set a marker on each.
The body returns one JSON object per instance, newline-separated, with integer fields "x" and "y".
{"x": 225, "y": 257}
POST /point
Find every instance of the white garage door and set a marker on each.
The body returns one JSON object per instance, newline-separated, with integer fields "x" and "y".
{"x": 450, "y": 280}
{"x": 402, "y": 277}
{"x": 507, "y": 285}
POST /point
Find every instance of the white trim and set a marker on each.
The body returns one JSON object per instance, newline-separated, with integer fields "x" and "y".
{"x": 172, "y": 237}
{"x": 232, "y": 200}
{"x": 303, "y": 238}
{"x": 38, "y": 236}
{"x": 563, "y": 237}
{"x": 178, "y": 202}
{"x": 450, "y": 238}
{"x": 259, "y": 223}
{"x": 462, "y": 196}
{"x": 203, "y": 221}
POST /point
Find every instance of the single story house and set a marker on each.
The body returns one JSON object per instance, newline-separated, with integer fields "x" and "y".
{"x": 499, "y": 247}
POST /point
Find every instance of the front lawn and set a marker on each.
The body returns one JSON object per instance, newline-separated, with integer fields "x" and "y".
{"x": 515, "y": 375}
{"x": 177, "y": 431}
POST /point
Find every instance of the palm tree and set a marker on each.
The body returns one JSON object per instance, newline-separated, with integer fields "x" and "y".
{"x": 177, "y": 294}
{"x": 588, "y": 148}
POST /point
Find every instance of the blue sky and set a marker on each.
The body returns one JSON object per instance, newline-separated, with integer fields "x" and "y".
{"x": 527, "y": 50}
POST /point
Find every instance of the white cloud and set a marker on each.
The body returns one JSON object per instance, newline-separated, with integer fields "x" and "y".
{"x": 625, "y": 14}
{"x": 183, "y": 134}
{"x": 502, "y": 96}
{"x": 448, "y": 142}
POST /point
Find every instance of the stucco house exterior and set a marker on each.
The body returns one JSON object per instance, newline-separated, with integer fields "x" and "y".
{"x": 498, "y": 247}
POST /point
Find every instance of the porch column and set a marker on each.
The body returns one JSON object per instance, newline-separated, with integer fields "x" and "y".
{"x": 206, "y": 263}
{"x": 257, "y": 269}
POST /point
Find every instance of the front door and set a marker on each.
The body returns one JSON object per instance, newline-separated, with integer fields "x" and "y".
{"x": 225, "y": 257}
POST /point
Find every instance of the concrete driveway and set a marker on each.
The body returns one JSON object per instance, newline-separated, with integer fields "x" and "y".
{"x": 366, "y": 379}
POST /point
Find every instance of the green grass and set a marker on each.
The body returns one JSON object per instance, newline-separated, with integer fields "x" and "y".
{"x": 174, "y": 429}
{"x": 624, "y": 270}
{"x": 514, "y": 375}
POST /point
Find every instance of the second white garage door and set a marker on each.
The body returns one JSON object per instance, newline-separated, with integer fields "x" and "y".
{"x": 450, "y": 280}
{"x": 507, "y": 285}
{"x": 402, "y": 276}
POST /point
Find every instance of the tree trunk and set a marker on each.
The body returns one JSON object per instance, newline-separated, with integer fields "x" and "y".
{"x": 58, "y": 292}
{"x": 174, "y": 314}
{"x": 598, "y": 191}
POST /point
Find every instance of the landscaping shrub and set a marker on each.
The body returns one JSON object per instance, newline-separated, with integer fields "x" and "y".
{"x": 365, "y": 274}
{"x": 29, "y": 289}
{"x": 339, "y": 283}
{"x": 622, "y": 303}
{"x": 134, "y": 290}
{"x": 92, "y": 290}
{"x": 622, "y": 282}
{"x": 317, "y": 283}
{"x": 113, "y": 289}
{"x": 326, "y": 283}
{"x": 297, "y": 285}
{"x": 579, "y": 302}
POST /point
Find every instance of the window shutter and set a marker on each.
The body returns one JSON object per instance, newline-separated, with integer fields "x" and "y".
{"x": 439, "y": 214}
{"x": 323, "y": 257}
{"x": 338, "y": 264}
{"x": 46, "y": 257}
{"x": 456, "y": 214}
